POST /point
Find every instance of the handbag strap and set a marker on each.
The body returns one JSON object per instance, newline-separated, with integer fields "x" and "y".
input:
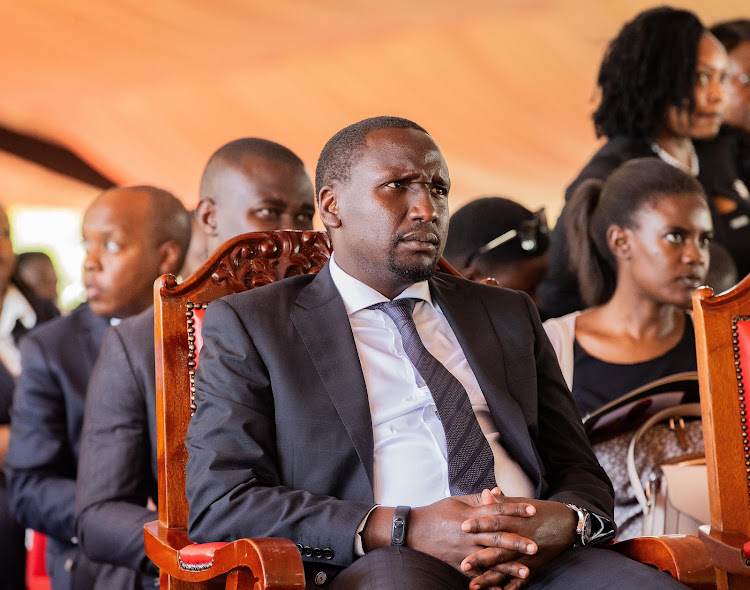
{"x": 693, "y": 409}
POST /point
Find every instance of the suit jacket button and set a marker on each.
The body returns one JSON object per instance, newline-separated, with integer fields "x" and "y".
{"x": 318, "y": 552}
{"x": 68, "y": 564}
{"x": 320, "y": 578}
{"x": 307, "y": 551}
{"x": 328, "y": 553}
{"x": 301, "y": 548}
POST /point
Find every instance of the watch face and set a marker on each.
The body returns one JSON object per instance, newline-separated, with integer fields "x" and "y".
{"x": 587, "y": 526}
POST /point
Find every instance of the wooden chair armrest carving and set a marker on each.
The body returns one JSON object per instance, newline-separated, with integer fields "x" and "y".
{"x": 728, "y": 550}
{"x": 682, "y": 556}
{"x": 275, "y": 564}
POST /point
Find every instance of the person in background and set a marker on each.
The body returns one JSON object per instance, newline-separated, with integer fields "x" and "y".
{"x": 196, "y": 254}
{"x": 131, "y": 236}
{"x": 20, "y": 312}
{"x": 639, "y": 244}
{"x": 722, "y": 272}
{"x": 735, "y": 36}
{"x": 662, "y": 84}
{"x": 249, "y": 184}
{"x": 497, "y": 238}
{"x": 38, "y": 272}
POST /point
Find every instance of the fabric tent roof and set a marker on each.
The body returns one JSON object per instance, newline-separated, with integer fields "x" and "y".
{"x": 145, "y": 91}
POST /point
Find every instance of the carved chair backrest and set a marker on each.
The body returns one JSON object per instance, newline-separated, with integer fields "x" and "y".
{"x": 722, "y": 324}
{"x": 245, "y": 262}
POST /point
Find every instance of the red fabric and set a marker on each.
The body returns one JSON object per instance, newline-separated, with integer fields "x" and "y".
{"x": 198, "y": 325}
{"x": 199, "y": 553}
{"x": 36, "y": 568}
{"x": 743, "y": 335}
{"x": 746, "y": 549}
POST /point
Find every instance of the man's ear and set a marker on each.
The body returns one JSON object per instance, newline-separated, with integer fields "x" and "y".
{"x": 205, "y": 213}
{"x": 170, "y": 255}
{"x": 329, "y": 207}
{"x": 618, "y": 240}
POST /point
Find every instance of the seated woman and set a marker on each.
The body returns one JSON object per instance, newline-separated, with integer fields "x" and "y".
{"x": 639, "y": 246}
{"x": 662, "y": 84}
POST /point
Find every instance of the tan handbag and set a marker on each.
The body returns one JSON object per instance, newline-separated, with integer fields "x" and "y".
{"x": 675, "y": 501}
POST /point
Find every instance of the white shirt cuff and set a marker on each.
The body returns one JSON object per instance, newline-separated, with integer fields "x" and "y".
{"x": 358, "y": 549}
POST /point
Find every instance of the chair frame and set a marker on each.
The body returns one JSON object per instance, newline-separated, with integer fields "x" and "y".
{"x": 245, "y": 262}
{"x": 723, "y": 359}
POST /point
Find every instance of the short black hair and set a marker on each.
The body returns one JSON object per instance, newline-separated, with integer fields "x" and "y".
{"x": 345, "y": 148}
{"x": 31, "y": 256}
{"x": 232, "y": 154}
{"x": 732, "y": 32}
{"x": 481, "y": 221}
{"x": 648, "y": 67}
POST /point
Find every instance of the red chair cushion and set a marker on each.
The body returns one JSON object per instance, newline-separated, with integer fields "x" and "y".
{"x": 199, "y": 553}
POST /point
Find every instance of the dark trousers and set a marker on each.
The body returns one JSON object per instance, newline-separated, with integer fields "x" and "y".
{"x": 585, "y": 567}
{"x": 12, "y": 546}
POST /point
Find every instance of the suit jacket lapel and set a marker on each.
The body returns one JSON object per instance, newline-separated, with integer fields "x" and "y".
{"x": 90, "y": 337}
{"x": 483, "y": 349}
{"x": 323, "y": 324}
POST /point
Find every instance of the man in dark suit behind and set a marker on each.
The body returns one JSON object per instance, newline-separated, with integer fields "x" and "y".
{"x": 249, "y": 184}
{"x": 131, "y": 236}
{"x": 313, "y": 421}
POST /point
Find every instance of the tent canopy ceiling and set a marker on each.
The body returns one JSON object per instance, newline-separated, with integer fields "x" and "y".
{"x": 146, "y": 91}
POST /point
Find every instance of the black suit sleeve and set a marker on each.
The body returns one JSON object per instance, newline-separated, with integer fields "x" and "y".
{"x": 114, "y": 467}
{"x": 234, "y": 484}
{"x": 40, "y": 462}
{"x": 572, "y": 471}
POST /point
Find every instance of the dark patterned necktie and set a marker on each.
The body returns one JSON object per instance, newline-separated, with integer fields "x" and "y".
{"x": 471, "y": 465}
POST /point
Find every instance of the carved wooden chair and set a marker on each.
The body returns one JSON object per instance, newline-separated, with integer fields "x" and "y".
{"x": 722, "y": 325}
{"x": 246, "y": 262}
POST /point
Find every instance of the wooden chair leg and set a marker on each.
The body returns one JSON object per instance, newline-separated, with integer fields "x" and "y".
{"x": 241, "y": 579}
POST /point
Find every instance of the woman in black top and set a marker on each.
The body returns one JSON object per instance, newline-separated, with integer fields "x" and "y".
{"x": 640, "y": 243}
{"x": 662, "y": 86}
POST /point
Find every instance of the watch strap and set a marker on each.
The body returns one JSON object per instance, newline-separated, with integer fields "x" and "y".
{"x": 398, "y": 529}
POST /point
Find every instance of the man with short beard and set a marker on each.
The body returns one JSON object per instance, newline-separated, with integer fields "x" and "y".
{"x": 405, "y": 428}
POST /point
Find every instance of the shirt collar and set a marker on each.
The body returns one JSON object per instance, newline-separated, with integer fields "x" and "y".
{"x": 358, "y": 296}
{"x": 16, "y": 308}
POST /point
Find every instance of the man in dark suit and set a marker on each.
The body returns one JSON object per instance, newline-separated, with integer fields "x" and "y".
{"x": 319, "y": 409}
{"x": 249, "y": 184}
{"x": 132, "y": 236}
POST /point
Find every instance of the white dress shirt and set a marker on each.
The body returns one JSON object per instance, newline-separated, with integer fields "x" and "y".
{"x": 410, "y": 455}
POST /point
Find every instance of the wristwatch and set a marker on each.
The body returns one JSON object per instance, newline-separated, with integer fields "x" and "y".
{"x": 398, "y": 529}
{"x": 591, "y": 528}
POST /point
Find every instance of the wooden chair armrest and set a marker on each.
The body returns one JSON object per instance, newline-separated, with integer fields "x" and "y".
{"x": 684, "y": 557}
{"x": 727, "y": 550}
{"x": 276, "y": 563}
